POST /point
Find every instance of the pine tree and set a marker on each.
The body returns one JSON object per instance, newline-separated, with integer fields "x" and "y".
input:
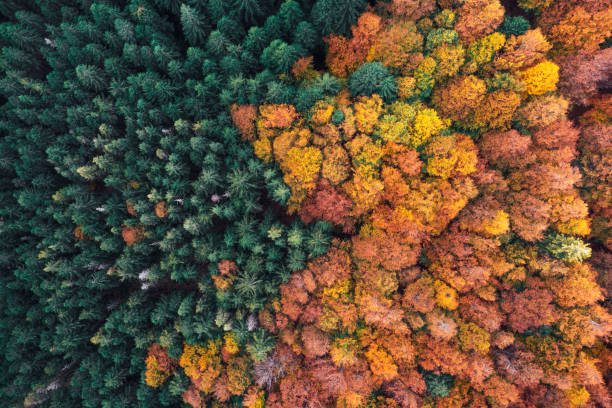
{"x": 250, "y": 11}
{"x": 373, "y": 78}
{"x": 566, "y": 248}
{"x": 194, "y": 25}
{"x": 336, "y": 16}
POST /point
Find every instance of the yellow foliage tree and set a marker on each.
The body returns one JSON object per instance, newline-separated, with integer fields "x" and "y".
{"x": 395, "y": 125}
{"x": 474, "y": 338}
{"x": 336, "y": 164}
{"x": 301, "y": 171}
{"x": 230, "y": 344}
{"x": 406, "y": 86}
{"x": 451, "y": 156}
{"x": 322, "y": 113}
{"x": 498, "y": 225}
{"x": 369, "y": 159}
{"x": 541, "y": 78}
{"x": 459, "y": 97}
{"x": 262, "y": 148}
{"x": 495, "y": 111}
{"x": 343, "y": 351}
{"x": 365, "y": 192}
{"x": 446, "y": 297}
{"x": 238, "y": 374}
{"x": 367, "y": 111}
{"x": 577, "y": 396}
{"x": 483, "y": 50}
{"x": 449, "y": 59}
{"x": 426, "y": 124}
{"x": 202, "y": 364}
{"x": 424, "y": 75}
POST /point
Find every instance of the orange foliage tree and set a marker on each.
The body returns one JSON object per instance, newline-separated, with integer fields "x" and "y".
{"x": 477, "y": 18}
{"x": 345, "y": 55}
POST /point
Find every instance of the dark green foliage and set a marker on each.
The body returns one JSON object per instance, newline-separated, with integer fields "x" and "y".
{"x": 279, "y": 92}
{"x": 250, "y": 11}
{"x": 291, "y": 15}
{"x": 373, "y": 78}
{"x": 336, "y": 16}
{"x": 337, "y": 117}
{"x": 231, "y": 29}
{"x": 306, "y": 35}
{"x": 329, "y": 84}
{"x": 108, "y": 110}
{"x": 279, "y": 56}
{"x": 514, "y": 25}
{"x": 193, "y": 24}
{"x": 321, "y": 87}
{"x": 178, "y": 384}
{"x": 306, "y": 97}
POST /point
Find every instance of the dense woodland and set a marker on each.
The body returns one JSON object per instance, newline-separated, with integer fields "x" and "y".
{"x": 306, "y": 203}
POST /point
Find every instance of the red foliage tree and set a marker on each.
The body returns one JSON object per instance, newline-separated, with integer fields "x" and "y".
{"x": 404, "y": 158}
{"x": 420, "y": 295}
{"x": 316, "y": 343}
{"x": 507, "y": 149}
{"x": 529, "y": 216}
{"x": 329, "y": 203}
{"x": 485, "y": 314}
{"x": 194, "y": 397}
{"x": 582, "y": 73}
{"x": 388, "y": 250}
{"x": 574, "y": 25}
{"x": 556, "y": 143}
{"x": 413, "y": 9}
{"x": 530, "y": 308}
{"x": 596, "y": 159}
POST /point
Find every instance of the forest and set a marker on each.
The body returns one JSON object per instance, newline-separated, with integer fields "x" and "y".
{"x": 306, "y": 203}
